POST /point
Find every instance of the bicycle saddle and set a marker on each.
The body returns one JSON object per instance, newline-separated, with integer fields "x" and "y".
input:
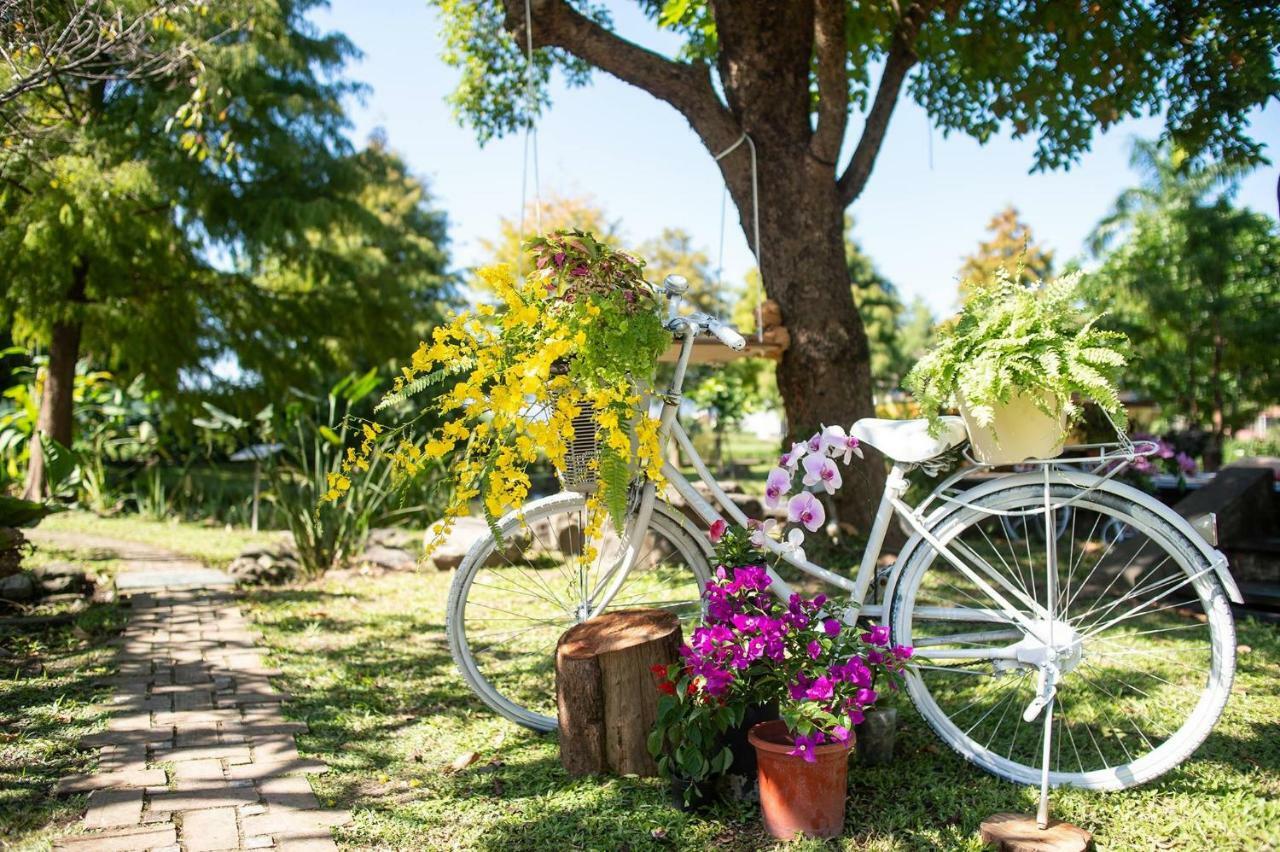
{"x": 909, "y": 441}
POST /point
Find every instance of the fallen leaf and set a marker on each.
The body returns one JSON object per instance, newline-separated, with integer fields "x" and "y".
{"x": 1243, "y": 649}
{"x": 463, "y": 760}
{"x": 497, "y": 788}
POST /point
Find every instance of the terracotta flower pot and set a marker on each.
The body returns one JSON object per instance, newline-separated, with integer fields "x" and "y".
{"x": 797, "y": 797}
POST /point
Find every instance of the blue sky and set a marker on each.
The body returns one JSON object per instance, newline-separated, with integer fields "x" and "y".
{"x": 640, "y": 161}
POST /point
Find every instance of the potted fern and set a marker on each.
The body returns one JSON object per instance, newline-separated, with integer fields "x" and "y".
{"x": 1013, "y": 361}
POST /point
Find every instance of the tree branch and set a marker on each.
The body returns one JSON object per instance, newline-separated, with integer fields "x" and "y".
{"x": 685, "y": 86}
{"x": 902, "y": 56}
{"x": 833, "y": 80}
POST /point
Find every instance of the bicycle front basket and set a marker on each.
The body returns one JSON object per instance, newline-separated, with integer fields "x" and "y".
{"x": 579, "y": 472}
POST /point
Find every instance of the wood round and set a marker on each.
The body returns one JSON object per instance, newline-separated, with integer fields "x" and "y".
{"x": 1019, "y": 833}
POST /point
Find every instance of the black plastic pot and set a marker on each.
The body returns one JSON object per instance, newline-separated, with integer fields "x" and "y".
{"x": 702, "y": 794}
{"x": 877, "y": 736}
{"x": 739, "y": 782}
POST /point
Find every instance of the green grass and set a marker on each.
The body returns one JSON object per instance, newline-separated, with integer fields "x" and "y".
{"x": 48, "y": 700}
{"x": 215, "y": 545}
{"x": 369, "y": 668}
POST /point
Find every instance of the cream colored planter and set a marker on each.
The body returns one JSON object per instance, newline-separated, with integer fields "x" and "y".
{"x": 1025, "y": 432}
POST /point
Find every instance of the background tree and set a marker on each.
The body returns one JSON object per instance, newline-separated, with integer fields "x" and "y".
{"x": 788, "y": 74}
{"x": 161, "y": 222}
{"x": 1012, "y": 247}
{"x": 557, "y": 212}
{"x": 1192, "y": 280}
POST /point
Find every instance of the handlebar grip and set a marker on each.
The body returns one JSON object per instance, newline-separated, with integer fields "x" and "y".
{"x": 727, "y": 335}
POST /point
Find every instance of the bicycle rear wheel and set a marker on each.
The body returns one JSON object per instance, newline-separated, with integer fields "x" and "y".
{"x": 509, "y": 605}
{"x": 1140, "y": 630}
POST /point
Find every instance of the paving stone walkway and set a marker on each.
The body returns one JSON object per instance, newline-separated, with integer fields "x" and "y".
{"x": 145, "y": 566}
{"x": 197, "y": 755}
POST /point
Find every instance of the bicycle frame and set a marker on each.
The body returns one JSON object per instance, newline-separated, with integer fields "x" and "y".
{"x": 1030, "y": 619}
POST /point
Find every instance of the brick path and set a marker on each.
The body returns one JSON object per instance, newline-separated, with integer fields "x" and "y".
{"x": 196, "y": 755}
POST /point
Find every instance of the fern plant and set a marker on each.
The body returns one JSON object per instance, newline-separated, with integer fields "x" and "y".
{"x": 1010, "y": 339}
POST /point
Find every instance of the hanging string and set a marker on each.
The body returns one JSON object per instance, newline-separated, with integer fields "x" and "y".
{"x": 755, "y": 226}
{"x": 530, "y": 140}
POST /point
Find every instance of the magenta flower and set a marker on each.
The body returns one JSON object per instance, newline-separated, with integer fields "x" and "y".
{"x": 814, "y": 649}
{"x": 841, "y": 734}
{"x": 1142, "y": 465}
{"x": 837, "y": 443}
{"x": 878, "y": 635}
{"x": 1186, "y": 464}
{"x": 1164, "y": 449}
{"x": 831, "y": 627}
{"x": 806, "y": 509}
{"x": 717, "y": 531}
{"x": 805, "y": 744}
{"x": 821, "y": 689}
{"x": 777, "y": 484}
{"x": 791, "y": 458}
{"x": 820, "y": 470}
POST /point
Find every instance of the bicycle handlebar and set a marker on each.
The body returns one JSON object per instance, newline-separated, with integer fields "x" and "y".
{"x": 726, "y": 334}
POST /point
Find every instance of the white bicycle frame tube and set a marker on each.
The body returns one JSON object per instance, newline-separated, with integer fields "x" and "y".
{"x": 891, "y": 504}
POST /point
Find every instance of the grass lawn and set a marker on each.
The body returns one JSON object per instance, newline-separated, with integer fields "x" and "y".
{"x": 214, "y": 544}
{"x": 48, "y": 700}
{"x": 369, "y": 669}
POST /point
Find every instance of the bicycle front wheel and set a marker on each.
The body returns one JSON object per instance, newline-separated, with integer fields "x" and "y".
{"x": 510, "y": 603}
{"x": 1137, "y": 628}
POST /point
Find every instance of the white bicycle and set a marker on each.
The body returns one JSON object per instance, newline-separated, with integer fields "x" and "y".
{"x": 1083, "y": 658}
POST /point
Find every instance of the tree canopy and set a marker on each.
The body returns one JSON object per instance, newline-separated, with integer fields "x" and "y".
{"x": 1192, "y": 279}
{"x": 204, "y": 219}
{"x": 1011, "y": 247}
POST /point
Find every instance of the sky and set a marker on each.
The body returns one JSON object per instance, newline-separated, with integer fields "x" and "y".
{"x": 926, "y": 205}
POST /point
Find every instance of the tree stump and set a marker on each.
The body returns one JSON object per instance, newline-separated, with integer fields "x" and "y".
{"x": 606, "y": 696}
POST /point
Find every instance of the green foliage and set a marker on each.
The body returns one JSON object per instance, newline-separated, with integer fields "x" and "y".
{"x": 1194, "y": 278}
{"x": 688, "y": 737}
{"x": 316, "y": 436}
{"x": 16, "y": 512}
{"x": 896, "y": 336}
{"x": 493, "y": 93}
{"x": 1056, "y": 72}
{"x": 212, "y": 214}
{"x": 1010, "y": 339}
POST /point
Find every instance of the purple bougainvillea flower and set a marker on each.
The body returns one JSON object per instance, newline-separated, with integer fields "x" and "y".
{"x": 820, "y": 470}
{"x": 814, "y": 649}
{"x": 902, "y": 652}
{"x": 1186, "y": 464}
{"x": 821, "y": 689}
{"x": 837, "y": 443}
{"x": 777, "y": 484}
{"x": 798, "y": 688}
{"x": 804, "y": 746}
{"x": 1164, "y": 449}
{"x": 831, "y": 627}
{"x": 1142, "y": 465}
{"x": 878, "y": 635}
{"x": 841, "y": 734}
{"x": 865, "y": 697}
{"x": 806, "y": 509}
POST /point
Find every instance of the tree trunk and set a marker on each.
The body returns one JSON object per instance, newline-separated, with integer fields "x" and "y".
{"x": 825, "y": 373}
{"x": 55, "y": 417}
